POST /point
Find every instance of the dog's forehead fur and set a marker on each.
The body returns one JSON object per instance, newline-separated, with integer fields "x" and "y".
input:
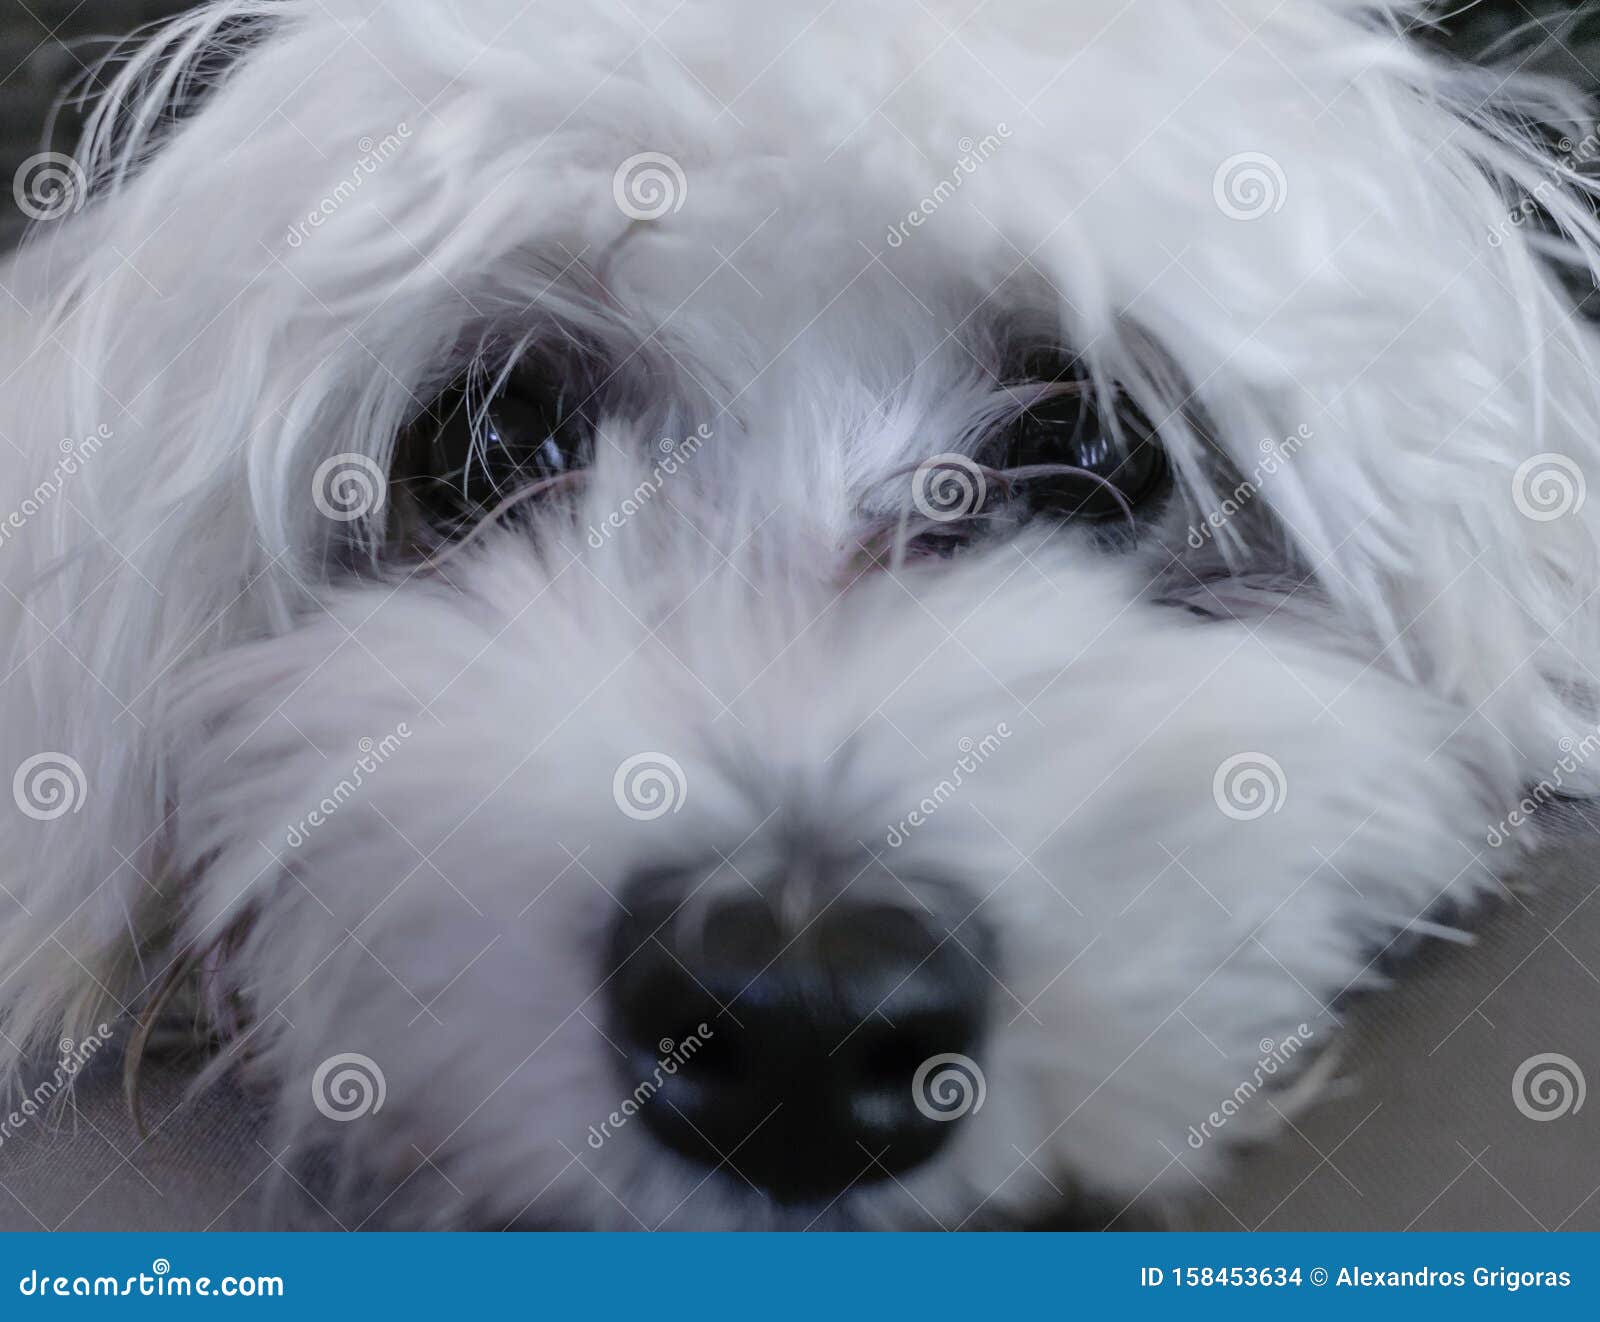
{"x": 500, "y": 202}
{"x": 871, "y": 208}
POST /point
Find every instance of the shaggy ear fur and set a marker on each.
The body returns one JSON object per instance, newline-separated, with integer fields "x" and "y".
{"x": 1472, "y": 550}
{"x": 111, "y": 492}
{"x": 1410, "y": 334}
{"x": 1431, "y": 503}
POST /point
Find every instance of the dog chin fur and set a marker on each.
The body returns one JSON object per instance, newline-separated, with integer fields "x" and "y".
{"x": 1380, "y": 620}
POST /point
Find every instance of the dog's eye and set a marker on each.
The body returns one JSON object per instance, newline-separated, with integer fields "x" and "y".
{"x": 1063, "y": 459}
{"x": 465, "y": 454}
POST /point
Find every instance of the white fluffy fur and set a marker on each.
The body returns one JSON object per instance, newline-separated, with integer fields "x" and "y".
{"x": 1385, "y": 624}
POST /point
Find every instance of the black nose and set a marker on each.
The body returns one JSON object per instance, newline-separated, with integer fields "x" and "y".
{"x": 790, "y": 1046}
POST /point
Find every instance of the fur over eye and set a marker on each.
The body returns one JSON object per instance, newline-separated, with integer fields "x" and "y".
{"x": 1065, "y": 455}
{"x": 493, "y": 435}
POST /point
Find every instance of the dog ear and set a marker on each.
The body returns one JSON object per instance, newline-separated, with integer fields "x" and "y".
{"x": 1480, "y": 567}
{"x": 179, "y": 399}
{"x": 91, "y": 623}
{"x": 1402, "y": 342}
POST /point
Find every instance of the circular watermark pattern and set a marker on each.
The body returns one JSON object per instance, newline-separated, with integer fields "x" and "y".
{"x": 348, "y": 1086}
{"x": 649, "y": 186}
{"x": 1548, "y": 1086}
{"x": 948, "y": 1086}
{"x": 648, "y": 786}
{"x": 948, "y": 487}
{"x": 1249, "y": 185}
{"x": 1548, "y": 487}
{"x": 49, "y": 785}
{"x": 348, "y": 487}
{"x": 49, "y": 186}
{"x": 1249, "y": 785}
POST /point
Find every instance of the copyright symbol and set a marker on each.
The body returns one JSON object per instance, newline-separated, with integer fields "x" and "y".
{"x": 1319, "y": 1276}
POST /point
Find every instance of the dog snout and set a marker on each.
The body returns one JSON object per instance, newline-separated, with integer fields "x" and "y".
{"x": 795, "y": 1048}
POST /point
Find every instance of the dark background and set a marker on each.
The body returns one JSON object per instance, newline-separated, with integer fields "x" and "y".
{"x": 44, "y": 46}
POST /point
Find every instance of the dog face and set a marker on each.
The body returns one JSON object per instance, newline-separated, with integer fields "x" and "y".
{"x": 770, "y": 617}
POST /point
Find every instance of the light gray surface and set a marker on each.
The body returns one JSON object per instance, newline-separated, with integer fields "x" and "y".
{"x": 1427, "y": 1135}
{"x": 1421, "y": 1131}
{"x": 199, "y": 1167}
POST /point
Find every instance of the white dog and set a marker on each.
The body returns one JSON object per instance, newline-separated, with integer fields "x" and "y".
{"x": 727, "y": 615}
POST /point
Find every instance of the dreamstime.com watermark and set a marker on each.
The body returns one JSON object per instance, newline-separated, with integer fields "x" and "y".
{"x": 1549, "y": 1086}
{"x": 1249, "y": 785}
{"x": 948, "y": 488}
{"x": 49, "y": 185}
{"x": 349, "y": 1086}
{"x": 157, "y": 1283}
{"x": 1573, "y": 156}
{"x": 649, "y": 186}
{"x": 948, "y": 1086}
{"x": 1548, "y": 486}
{"x": 349, "y": 486}
{"x": 49, "y": 785}
{"x": 73, "y": 1058}
{"x": 974, "y": 753}
{"x": 1249, "y": 185}
{"x": 73, "y": 454}
{"x": 973, "y": 154}
{"x": 374, "y": 152}
{"x": 1275, "y": 1056}
{"x": 674, "y": 455}
{"x": 674, "y": 1056}
{"x": 1575, "y": 753}
{"x": 649, "y": 785}
{"x": 374, "y": 753}
{"x": 1273, "y": 455}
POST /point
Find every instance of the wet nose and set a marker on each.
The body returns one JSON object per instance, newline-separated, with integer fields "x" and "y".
{"x": 808, "y": 1054}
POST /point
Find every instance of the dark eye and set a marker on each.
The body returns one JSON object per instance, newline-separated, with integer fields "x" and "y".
{"x": 1063, "y": 457}
{"x": 491, "y": 436}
